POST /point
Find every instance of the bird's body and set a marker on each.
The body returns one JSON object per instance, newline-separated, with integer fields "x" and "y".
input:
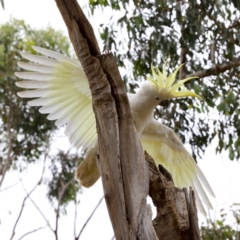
{"x": 62, "y": 91}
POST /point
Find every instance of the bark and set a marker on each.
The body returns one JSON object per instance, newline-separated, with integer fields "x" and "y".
{"x": 176, "y": 208}
{"x": 122, "y": 166}
{"x": 121, "y": 161}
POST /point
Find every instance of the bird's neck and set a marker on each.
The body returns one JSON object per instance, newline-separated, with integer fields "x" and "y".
{"x": 142, "y": 110}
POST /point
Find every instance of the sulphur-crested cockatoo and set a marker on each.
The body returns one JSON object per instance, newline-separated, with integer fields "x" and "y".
{"x": 61, "y": 89}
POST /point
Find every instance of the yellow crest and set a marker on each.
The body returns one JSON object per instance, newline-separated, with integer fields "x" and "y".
{"x": 164, "y": 83}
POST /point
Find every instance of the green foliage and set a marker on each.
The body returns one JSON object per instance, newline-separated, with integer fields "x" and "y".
{"x": 24, "y": 131}
{"x": 198, "y": 33}
{"x": 220, "y": 230}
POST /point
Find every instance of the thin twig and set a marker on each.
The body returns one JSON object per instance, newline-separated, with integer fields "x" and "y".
{"x": 85, "y": 224}
{"x": 40, "y": 211}
{"x": 1, "y": 190}
{"x": 20, "y": 179}
{"x": 35, "y": 230}
{"x": 75, "y": 206}
{"x": 75, "y": 212}
{"x": 60, "y": 196}
{"x": 19, "y": 215}
{"x": 24, "y": 200}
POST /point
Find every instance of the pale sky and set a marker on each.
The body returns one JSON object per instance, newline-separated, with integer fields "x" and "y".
{"x": 222, "y": 173}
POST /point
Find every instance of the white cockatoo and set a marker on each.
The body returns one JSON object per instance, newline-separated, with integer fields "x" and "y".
{"x": 61, "y": 88}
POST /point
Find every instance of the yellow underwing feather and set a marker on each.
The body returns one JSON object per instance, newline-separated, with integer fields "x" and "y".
{"x": 166, "y": 149}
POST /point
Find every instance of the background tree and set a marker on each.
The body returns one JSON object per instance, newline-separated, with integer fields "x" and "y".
{"x": 202, "y": 34}
{"x": 225, "y": 227}
{"x": 25, "y": 133}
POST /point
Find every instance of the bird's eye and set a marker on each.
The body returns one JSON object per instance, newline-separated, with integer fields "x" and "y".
{"x": 157, "y": 98}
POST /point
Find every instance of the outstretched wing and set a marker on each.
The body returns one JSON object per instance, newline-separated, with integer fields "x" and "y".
{"x": 61, "y": 88}
{"x": 165, "y": 147}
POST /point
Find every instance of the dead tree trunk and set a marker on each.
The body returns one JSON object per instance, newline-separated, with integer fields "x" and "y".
{"x": 176, "y": 208}
{"x": 125, "y": 175}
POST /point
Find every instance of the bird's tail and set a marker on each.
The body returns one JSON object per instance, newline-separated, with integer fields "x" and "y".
{"x": 87, "y": 172}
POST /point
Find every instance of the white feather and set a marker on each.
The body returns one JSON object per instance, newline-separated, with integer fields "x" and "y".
{"x": 204, "y": 181}
{"x": 35, "y": 67}
{"x": 33, "y": 76}
{"x": 199, "y": 202}
{"x": 39, "y": 59}
{"x": 33, "y": 93}
{"x": 39, "y": 102}
{"x": 32, "y": 84}
{"x": 53, "y": 54}
{"x": 198, "y": 186}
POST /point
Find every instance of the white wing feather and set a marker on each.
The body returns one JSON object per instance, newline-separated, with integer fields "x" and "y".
{"x": 167, "y": 149}
{"x": 62, "y": 91}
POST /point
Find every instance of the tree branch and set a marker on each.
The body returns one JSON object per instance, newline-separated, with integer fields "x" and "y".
{"x": 183, "y": 53}
{"x": 77, "y": 23}
{"x": 19, "y": 215}
{"x": 24, "y": 200}
{"x": 9, "y": 144}
{"x": 60, "y": 196}
{"x": 176, "y": 208}
{"x": 39, "y": 182}
{"x": 215, "y": 70}
{"x": 75, "y": 212}
{"x": 122, "y": 165}
{"x": 89, "y": 218}
{"x": 35, "y": 230}
{"x": 20, "y": 179}
{"x": 183, "y": 60}
{"x": 40, "y": 211}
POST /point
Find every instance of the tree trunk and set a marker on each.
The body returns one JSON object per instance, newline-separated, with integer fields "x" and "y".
{"x": 121, "y": 161}
{"x": 176, "y": 208}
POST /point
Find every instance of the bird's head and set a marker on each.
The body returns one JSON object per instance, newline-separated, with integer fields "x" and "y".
{"x": 164, "y": 87}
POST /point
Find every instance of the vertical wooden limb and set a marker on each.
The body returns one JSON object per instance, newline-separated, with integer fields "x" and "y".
{"x": 193, "y": 217}
{"x": 122, "y": 164}
{"x": 134, "y": 170}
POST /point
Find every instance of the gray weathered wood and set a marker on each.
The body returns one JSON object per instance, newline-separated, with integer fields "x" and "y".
{"x": 122, "y": 165}
{"x": 121, "y": 161}
{"x": 176, "y": 208}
